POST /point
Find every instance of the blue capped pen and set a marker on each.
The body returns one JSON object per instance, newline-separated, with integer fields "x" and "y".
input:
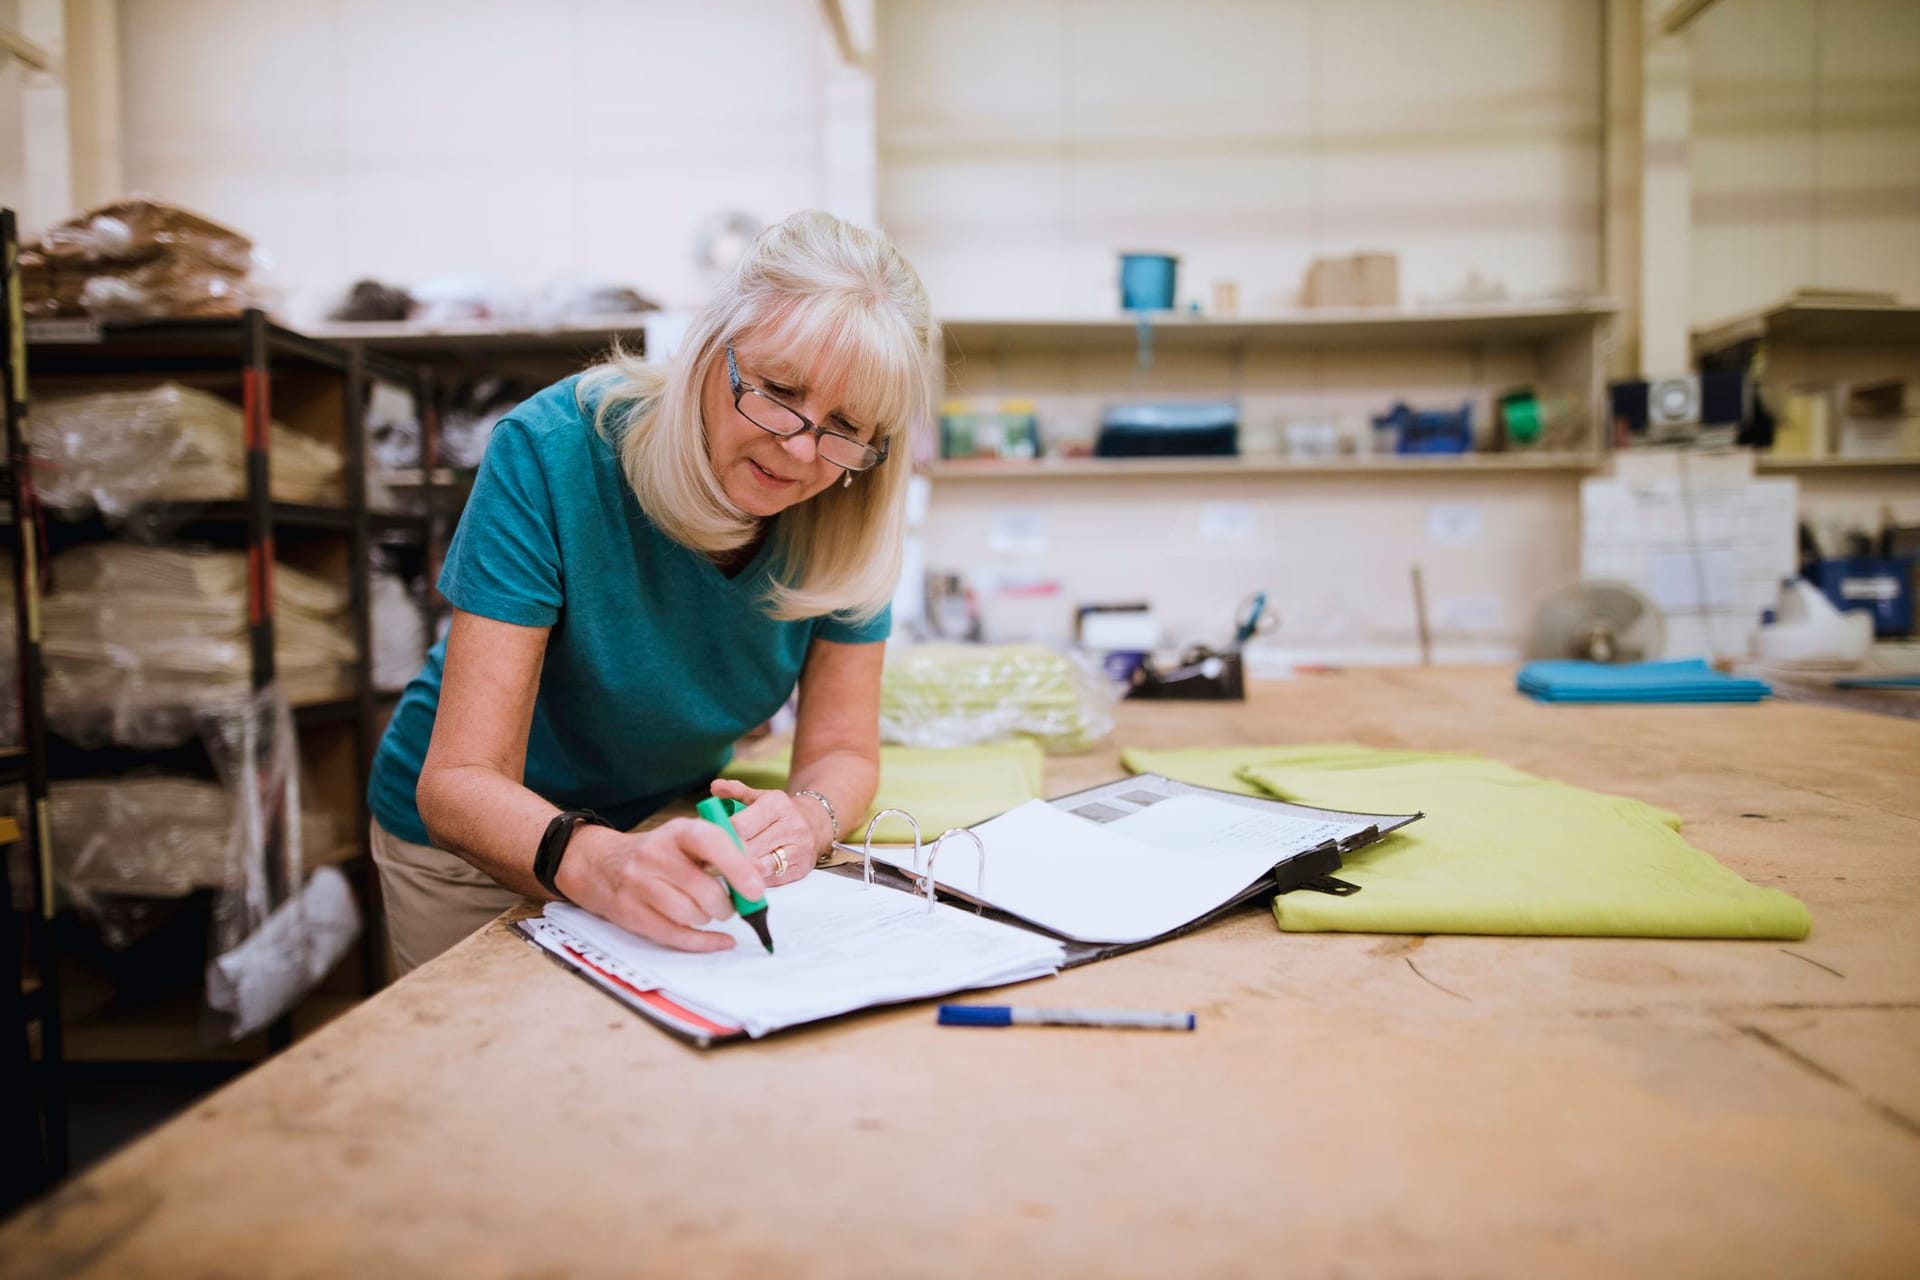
{"x": 1000, "y": 1015}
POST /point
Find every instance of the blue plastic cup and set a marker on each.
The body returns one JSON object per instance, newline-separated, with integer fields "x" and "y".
{"x": 1146, "y": 281}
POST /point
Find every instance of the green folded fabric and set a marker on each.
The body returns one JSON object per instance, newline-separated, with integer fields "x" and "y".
{"x": 1499, "y": 851}
{"x": 940, "y": 786}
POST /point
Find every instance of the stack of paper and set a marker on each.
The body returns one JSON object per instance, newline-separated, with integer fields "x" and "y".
{"x": 1686, "y": 680}
{"x": 1128, "y": 880}
{"x": 839, "y": 945}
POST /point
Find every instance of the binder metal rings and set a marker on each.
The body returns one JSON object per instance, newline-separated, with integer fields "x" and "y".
{"x": 923, "y": 881}
{"x": 866, "y": 848}
{"x": 979, "y": 871}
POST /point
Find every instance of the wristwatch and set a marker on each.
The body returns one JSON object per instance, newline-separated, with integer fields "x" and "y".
{"x": 553, "y": 846}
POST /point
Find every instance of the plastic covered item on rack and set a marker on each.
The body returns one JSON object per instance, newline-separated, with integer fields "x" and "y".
{"x": 149, "y": 835}
{"x": 399, "y": 632}
{"x": 139, "y": 258}
{"x": 393, "y": 428}
{"x": 953, "y": 695}
{"x": 473, "y": 409}
{"x": 115, "y": 451}
{"x": 392, "y": 434}
{"x": 156, "y": 837}
{"x": 276, "y": 932}
{"x": 135, "y": 638}
{"x": 371, "y": 299}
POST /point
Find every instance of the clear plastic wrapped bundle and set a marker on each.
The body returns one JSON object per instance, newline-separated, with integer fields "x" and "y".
{"x": 277, "y": 930}
{"x": 120, "y": 842}
{"x": 136, "y": 259}
{"x": 115, "y": 450}
{"x": 393, "y": 444}
{"x": 157, "y": 837}
{"x": 136, "y": 638}
{"x": 399, "y": 633}
{"x": 954, "y": 695}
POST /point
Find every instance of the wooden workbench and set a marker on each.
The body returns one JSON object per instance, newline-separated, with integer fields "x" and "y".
{"x": 1351, "y": 1105}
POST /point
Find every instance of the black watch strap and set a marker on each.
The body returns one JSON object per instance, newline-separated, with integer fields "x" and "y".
{"x": 553, "y": 846}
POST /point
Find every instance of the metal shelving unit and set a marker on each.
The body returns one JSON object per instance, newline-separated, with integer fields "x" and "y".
{"x": 43, "y": 1130}
{"x": 261, "y": 361}
{"x": 452, "y": 353}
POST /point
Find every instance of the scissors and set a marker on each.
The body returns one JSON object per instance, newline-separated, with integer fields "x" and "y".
{"x": 1253, "y": 618}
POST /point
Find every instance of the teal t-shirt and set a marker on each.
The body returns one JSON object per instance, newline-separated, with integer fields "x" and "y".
{"x": 656, "y": 661}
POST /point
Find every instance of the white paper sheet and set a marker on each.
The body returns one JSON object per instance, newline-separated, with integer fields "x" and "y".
{"x": 1125, "y": 881}
{"x": 1195, "y": 824}
{"x": 838, "y": 946}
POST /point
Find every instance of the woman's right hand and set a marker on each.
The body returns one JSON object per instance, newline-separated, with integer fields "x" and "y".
{"x": 659, "y": 884}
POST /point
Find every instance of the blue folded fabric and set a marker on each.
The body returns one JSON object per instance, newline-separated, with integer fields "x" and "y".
{"x": 1684, "y": 680}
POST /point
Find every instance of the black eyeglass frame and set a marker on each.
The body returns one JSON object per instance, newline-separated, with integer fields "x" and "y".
{"x": 742, "y": 389}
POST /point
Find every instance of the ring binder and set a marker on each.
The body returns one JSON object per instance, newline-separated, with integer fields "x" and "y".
{"x": 1198, "y": 854}
{"x": 1304, "y": 858}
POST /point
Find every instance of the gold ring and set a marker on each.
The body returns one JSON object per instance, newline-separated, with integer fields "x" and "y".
{"x": 780, "y": 860}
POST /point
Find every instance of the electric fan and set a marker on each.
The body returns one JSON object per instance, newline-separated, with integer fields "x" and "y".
{"x": 1597, "y": 620}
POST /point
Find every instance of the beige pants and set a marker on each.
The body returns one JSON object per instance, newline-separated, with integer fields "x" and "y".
{"x": 432, "y": 898}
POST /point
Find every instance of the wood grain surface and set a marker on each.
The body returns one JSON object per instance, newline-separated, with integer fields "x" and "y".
{"x": 1351, "y": 1105}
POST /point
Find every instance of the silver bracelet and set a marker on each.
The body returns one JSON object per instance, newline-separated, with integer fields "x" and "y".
{"x": 833, "y": 819}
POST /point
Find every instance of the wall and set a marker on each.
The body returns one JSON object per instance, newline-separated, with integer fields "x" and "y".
{"x": 1335, "y": 552}
{"x": 13, "y": 151}
{"x": 1023, "y": 142}
{"x": 34, "y": 179}
{"x": 406, "y": 139}
{"x": 1806, "y": 150}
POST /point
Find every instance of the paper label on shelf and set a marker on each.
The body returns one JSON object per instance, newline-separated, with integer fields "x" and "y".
{"x": 1226, "y": 522}
{"x": 1453, "y": 524}
{"x": 1018, "y": 531}
{"x": 81, "y": 330}
{"x": 1468, "y": 614}
{"x": 1881, "y": 588}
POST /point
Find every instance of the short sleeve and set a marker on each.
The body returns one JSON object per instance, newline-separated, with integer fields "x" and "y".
{"x": 841, "y": 629}
{"x": 504, "y": 560}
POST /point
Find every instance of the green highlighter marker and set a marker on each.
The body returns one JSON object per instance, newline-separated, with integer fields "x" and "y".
{"x": 753, "y": 910}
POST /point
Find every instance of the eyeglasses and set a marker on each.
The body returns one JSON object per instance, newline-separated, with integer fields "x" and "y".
{"x": 776, "y": 419}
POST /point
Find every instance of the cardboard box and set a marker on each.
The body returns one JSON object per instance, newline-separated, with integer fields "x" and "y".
{"x": 1355, "y": 280}
{"x": 1876, "y": 422}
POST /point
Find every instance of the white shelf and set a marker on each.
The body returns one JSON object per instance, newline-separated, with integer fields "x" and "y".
{"x": 1812, "y": 321}
{"x": 401, "y": 337}
{"x": 1331, "y": 327}
{"x": 1062, "y": 468}
{"x": 1795, "y": 465}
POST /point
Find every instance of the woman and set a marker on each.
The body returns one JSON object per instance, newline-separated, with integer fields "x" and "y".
{"x": 649, "y": 563}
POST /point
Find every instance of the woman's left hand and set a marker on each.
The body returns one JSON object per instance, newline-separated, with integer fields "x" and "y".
{"x": 774, "y": 820}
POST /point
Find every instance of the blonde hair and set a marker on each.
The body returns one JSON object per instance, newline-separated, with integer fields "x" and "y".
{"x": 831, "y": 290}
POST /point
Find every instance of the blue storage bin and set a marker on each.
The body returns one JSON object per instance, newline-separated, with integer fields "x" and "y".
{"x": 1147, "y": 280}
{"x": 1427, "y": 430}
{"x": 1880, "y": 585}
{"x": 1168, "y": 430}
